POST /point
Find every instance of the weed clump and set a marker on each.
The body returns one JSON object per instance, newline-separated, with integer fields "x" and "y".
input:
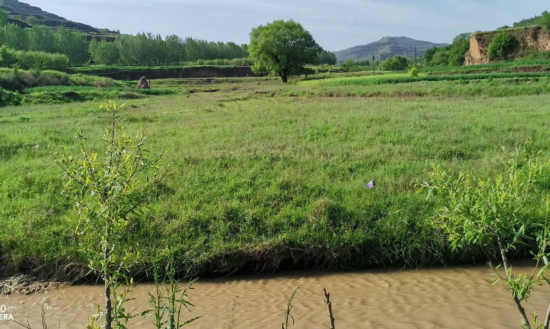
{"x": 326, "y": 211}
{"x": 9, "y": 98}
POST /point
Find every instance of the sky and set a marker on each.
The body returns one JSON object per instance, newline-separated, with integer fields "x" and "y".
{"x": 335, "y": 24}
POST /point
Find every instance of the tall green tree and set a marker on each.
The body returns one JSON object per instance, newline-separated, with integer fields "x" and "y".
{"x": 457, "y": 52}
{"x": 282, "y": 48}
{"x": 14, "y": 37}
{"x": 327, "y": 57}
{"x": 3, "y": 18}
{"x": 103, "y": 52}
{"x": 41, "y": 38}
{"x": 429, "y": 56}
{"x": 545, "y": 20}
{"x": 73, "y": 44}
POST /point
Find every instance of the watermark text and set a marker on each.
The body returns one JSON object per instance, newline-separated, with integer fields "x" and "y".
{"x": 6, "y": 312}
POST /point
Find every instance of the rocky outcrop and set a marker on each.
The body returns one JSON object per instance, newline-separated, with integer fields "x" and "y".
{"x": 529, "y": 40}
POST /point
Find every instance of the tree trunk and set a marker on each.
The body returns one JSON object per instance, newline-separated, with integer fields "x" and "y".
{"x": 107, "y": 280}
{"x": 108, "y": 305}
{"x": 329, "y": 306}
{"x": 547, "y": 318}
{"x": 506, "y": 265}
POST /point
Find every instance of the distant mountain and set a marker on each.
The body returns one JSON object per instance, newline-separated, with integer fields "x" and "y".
{"x": 387, "y": 47}
{"x": 23, "y": 14}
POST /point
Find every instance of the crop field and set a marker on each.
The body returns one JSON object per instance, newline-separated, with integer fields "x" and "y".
{"x": 263, "y": 177}
{"x": 518, "y": 65}
{"x": 405, "y": 78}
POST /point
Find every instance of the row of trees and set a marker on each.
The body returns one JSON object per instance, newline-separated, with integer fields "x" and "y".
{"x": 149, "y": 49}
{"x": 71, "y": 43}
{"x": 141, "y": 49}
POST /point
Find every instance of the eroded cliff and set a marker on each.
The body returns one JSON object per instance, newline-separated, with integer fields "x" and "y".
{"x": 529, "y": 39}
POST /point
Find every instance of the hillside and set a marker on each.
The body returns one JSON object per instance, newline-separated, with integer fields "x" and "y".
{"x": 387, "y": 47}
{"x": 537, "y": 20}
{"x": 24, "y": 14}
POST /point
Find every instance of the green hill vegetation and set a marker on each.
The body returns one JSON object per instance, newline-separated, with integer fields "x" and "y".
{"x": 28, "y": 15}
{"x": 540, "y": 20}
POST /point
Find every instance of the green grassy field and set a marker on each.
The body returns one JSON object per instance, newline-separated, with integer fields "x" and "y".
{"x": 518, "y": 65}
{"x": 266, "y": 177}
{"x": 395, "y": 78}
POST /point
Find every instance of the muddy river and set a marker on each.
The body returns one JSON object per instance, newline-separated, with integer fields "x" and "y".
{"x": 442, "y": 298}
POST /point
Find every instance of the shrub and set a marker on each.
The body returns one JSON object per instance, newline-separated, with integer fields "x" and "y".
{"x": 109, "y": 194}
{"x": 489, "y": 212}
{"x": 441, "y": 57}
{"x": 327, "y": 57}
{"x": 396, "y": 63}
{"x": 19, "y": 80}
{"x": 9, "y": 98}
{"x": 41, "y": 60}
{"x": 545, "y": 20}
{"x": 458, "y": 51}
{"x": 240, "y": 62}
{"x": 413, "y": 72}
{"x": 429, "y": 55}
{"x": 12, "y": 80}
{"x": 7, "y": 57}
{"x": 502, "y": 46}
{"x": 32, "y": 59}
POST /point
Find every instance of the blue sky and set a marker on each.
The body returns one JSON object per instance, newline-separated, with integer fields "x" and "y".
{"x": 335, "y": 24}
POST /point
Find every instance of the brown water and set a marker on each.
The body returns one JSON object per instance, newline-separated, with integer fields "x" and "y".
{"x": 443, "y": 298}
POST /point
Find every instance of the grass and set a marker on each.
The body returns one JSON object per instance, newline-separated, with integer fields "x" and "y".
{"x": 67, "y": 94}
{"x": 542, "y": 64}
{"x": 18, "y": 80}
{"x": 261, "y": 180}
{"x": 405, "y": 78}
{"x": 53, "y": 87}
{"x": 461, "y": 88}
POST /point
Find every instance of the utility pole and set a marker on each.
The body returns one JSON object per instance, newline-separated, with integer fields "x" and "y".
{"x": 414, "y": 55}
